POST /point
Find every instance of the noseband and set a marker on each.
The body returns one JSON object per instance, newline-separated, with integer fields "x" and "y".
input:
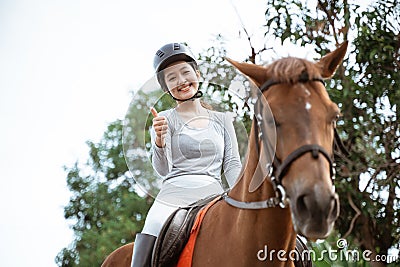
{"x": 278, "y": 169}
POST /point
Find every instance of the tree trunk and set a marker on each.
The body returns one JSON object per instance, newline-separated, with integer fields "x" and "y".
{"x": 367, "y": 241}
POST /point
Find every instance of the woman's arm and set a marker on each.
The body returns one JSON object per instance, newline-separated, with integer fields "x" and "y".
{"x": 161, "y": 156}
{"x": 232, "y": 164}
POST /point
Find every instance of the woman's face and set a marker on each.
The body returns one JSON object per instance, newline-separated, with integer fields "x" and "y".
{"x": 181, "y": 79}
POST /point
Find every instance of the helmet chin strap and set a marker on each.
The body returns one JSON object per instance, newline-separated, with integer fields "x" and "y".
{"x": 198, "y": 94}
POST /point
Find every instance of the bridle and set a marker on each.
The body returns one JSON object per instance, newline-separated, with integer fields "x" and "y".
{"x": 279, "y": 168}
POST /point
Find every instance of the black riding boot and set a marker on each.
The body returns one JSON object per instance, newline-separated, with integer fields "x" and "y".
{"x": 143, "y": 250}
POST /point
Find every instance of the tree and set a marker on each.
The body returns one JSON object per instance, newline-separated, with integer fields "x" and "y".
{"x": 366, "y": 88}
{"x": 105, "y": 209}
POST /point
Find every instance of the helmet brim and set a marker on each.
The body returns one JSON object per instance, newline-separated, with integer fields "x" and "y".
{"x": 174, "y": 58}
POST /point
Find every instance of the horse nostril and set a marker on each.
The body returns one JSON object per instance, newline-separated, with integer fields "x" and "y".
{"x": 310, "y": 206}
{"x": 301, "y": 204}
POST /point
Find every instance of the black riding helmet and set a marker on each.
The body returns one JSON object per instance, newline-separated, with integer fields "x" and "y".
{"x": 169, "y": 54}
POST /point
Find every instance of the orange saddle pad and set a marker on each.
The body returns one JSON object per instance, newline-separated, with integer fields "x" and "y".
{"x": 185, "y": 259}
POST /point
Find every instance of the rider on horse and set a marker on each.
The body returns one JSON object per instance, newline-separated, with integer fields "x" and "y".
{"x": 191, "y": 145}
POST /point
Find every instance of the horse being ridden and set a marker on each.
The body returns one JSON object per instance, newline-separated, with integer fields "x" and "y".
{"x": 262, "y": 213}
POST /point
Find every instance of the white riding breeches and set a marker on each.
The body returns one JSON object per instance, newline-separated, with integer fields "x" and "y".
{"x": 178, "y": 192}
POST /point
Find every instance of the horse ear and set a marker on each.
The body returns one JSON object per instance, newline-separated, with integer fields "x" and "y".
{"x": 329, "y": 63}
{"x": 258, "y": 74}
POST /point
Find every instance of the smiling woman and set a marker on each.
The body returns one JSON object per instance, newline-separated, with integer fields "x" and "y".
{"x": 177, "y": 72}
{"x": 182, "y": 80}
{"x": 191, "y": 145}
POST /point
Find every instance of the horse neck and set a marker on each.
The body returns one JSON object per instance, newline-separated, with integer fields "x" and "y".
{"x": 252, "y": 170}
{"x": 281, "y": 221}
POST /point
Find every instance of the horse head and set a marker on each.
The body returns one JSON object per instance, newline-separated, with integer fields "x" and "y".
{"x": 305, "y": 120}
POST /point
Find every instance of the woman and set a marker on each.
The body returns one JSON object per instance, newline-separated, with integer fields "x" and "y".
{"x": 190, "y": 145}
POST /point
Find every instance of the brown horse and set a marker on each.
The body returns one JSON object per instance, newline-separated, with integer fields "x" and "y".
{"x": 257, "y": 222}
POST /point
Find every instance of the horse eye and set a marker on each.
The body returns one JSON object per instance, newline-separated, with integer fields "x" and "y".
{"x": 335, "y": 119}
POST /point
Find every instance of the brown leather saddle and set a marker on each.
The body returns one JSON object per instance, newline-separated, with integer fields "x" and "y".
{"x": 175, "y": 233}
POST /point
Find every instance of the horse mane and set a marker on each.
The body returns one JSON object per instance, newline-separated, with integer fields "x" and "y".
{"x": 289, "y": 69}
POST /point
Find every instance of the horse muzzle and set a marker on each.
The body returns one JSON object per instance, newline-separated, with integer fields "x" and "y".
{"x": 314, "y": 213}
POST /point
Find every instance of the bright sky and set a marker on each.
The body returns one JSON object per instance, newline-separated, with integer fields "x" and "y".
{"x": 66, "y": 71}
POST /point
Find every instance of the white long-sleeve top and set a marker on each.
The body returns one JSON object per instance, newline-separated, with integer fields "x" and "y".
{"x": 198, "y": 151}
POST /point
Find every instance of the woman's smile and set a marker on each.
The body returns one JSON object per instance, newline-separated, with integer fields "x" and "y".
{"x": 182, "y": 79}
{"x": 184, "y": 87}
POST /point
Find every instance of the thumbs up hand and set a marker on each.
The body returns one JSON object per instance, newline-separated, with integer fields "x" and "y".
{"x": 154, "y": 112}
{"x": 160, "y": 126}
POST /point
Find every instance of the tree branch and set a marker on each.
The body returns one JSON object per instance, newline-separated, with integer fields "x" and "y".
{"x": 253, "y": 53}
{"x": 330, "y": 20}
{"x": 358, "y": 213}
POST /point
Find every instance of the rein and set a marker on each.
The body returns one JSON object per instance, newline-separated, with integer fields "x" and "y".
{"x": 278, "y": 169}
